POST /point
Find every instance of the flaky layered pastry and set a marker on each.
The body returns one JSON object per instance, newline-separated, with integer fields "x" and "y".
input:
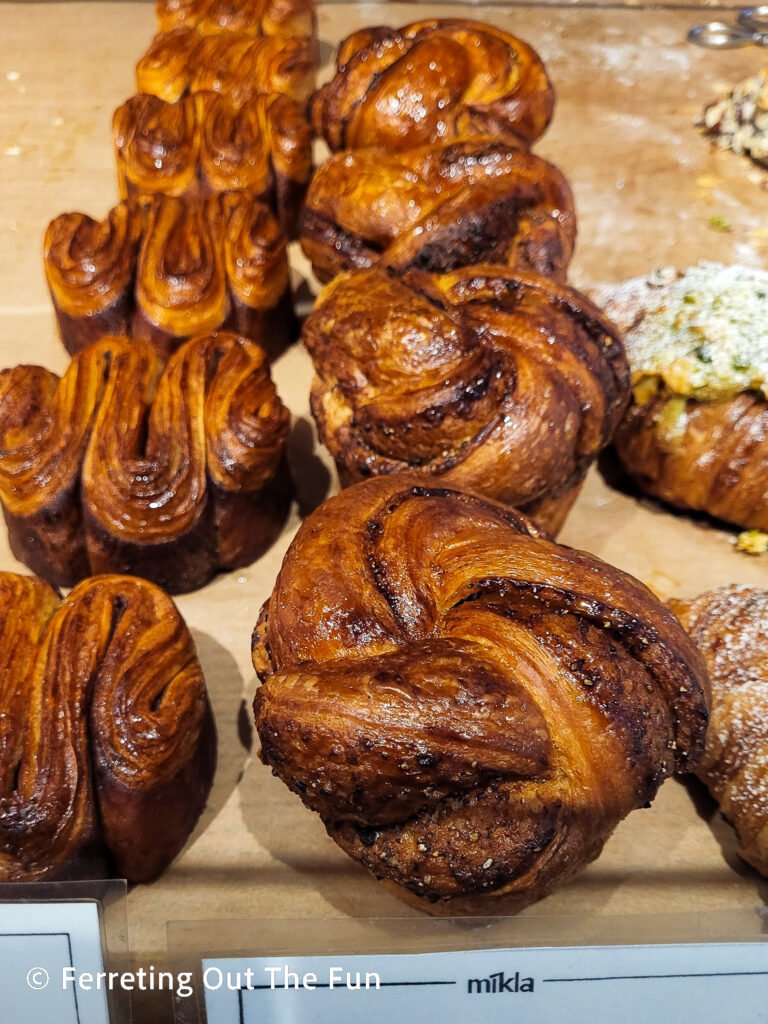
{"x": 207, "y": 143}
{"x": 169, "y": 471}
{"x": 235, "y": 64}
{"x": 438, "y": 208}
{"x": 430, "y": 81}
{"x": 470, "y": 707}
{"x": 730, "y": 627}
{"x": 484, "y": 378}
{"x": 106, "y": 734}
{"x": 169, "y": 269}
{"x": 254, "y": 17}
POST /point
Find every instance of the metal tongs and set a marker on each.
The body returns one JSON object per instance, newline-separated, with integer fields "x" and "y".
{"x": 750, "y": 29}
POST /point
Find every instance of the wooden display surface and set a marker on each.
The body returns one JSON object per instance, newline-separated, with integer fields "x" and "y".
{"x": 647, "y": 188}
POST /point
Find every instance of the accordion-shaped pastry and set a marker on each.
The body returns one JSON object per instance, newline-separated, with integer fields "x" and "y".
{"x": 730, "y": 627}
{"x": 181, "y": 62}
{"x": 207, "y": 144}
{"x": 470, "y": 707}
{"x": 438, "y": 208}
{"x": 254, "y": 17}
{"x": 431, "y": 81}
{"x": 166, "y": 471}
{"x": 171, "y": 270}
{"x": 696, "y": 434}
{"x": 484, "y": 378}
{"x": 106, "y": 734}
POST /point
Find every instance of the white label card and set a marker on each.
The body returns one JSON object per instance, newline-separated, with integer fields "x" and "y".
{"x": 46, "y": 950}
{"x": 708, "y": 983}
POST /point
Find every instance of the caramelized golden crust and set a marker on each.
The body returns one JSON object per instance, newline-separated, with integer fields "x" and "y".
{"x": 105, "y": 731}
{"x": 194, "y": 266}
{"x": 210, "y": 143}
{"x": 730, "y": 627}
{"x": 431, "y": 81}
{"x": 254, "y": 17}
{"x": 703, "y": 456}
{"x": 484, "y": 378}
{"x": 469, "y": 707}
{"x": 170, "y": 472}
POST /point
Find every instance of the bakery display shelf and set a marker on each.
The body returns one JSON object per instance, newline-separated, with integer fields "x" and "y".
{"x": 649, "y": 192}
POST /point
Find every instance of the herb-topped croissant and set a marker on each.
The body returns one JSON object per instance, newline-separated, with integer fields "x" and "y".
{"x": 106, "y": 734}
{"x": 470, "y": 707}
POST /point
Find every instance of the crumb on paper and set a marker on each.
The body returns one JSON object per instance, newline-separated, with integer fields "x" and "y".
{"x": 719, "y": 223}
{"x": 12, "y": 150}
{"x": 752, "y": 542}
{"x": 12, "y": 76}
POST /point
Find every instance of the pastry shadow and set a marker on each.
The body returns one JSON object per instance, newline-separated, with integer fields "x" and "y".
{"x": 311, "y": 477}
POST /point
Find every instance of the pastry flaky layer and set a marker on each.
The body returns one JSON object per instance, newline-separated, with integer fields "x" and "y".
{"x": 485, "y": 378}
{"x": 207, "y": 143}
{"x": 168, "y": 269}
{"x": 470, "y": 707}
{"x": 730, "y": 627}
{"x": 127, "y": 464}
{"x": 106, "y": 734}
{"x": 430, "y": 81}
{"x": 438, "y": 208}
{"x": 254, "y": 17}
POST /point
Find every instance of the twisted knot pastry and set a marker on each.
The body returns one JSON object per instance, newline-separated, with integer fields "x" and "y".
{"x": 437, "y": 208}
{"x": 470, "y": 707}
{"x": 170, "y": 269}
{"x": 254, "y": 17}
{"x": 433, "y": 81}
{"x": 485, "y": 378}
{"x": 207, "y": 143}
{"x": 183, "y": 61}
{"x": 168, "y": 471}
{"x": 730, "y": 627}
{"x": 105, "y": 729}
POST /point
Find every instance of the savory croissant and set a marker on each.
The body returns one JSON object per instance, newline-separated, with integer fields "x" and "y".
{"x": 470, "y": 707}
{"x": 254, "y": 17}
{"x": 431, "y": 81}
{"x": 207, "y": 144}
{"x": 438, "y": 208}
{"x": 106, "y": 734}
{"x": 696, "y": 434}
{"x": 125, "y": 464}
{"x": 730, "y": 627}
{"x": 170, "y": 270}
{"x": 485, "y": 378}
{"x": 183, "y": 61}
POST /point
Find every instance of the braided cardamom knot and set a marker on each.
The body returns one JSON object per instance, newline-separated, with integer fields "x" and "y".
{"x": 254, "y": 17}
{"x": 433, "y": 81}
{"x": 170, "y": 269}
{"x": 437, "y": 208}
{"x": 126, "y": 464}
{"x": 470, "y": 707}
{"x": 106, "y": 734}
{"x": 730, "y": 627}
{"x": 484, "y": 378}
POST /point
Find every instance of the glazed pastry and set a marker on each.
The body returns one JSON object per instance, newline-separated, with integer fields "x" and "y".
{"x": 470, "y": 707}
{"x": 194, "y": 266}
{"x": 183, "y": 61}
{"x": 209, "y": 144}
{"x": 438, "y": 80}
{"x": 106, "y": 734}
{"x": 485, "y": 378}
{"x": 438, "y": 208}
{"x": 696, "y": 434}
{"x": 170, "y": 472}
{"x": 730, "y": 626}
{"x": 254, "y": 17}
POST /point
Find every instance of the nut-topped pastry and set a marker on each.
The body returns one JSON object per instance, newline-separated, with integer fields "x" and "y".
{"x": 484, "y": 378}
{"x": 126, "y": 464}
{"x": 431, "y": 81}
{"x": 696, "y": 434}
{"x": 207, "y": 143}
{"x": 254, "y": 17}
{"x": 470, "y": 707}
{"x": 169, "y": 270}
{"x": 106, "y": 734}
{"x": 438, "y": 208}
